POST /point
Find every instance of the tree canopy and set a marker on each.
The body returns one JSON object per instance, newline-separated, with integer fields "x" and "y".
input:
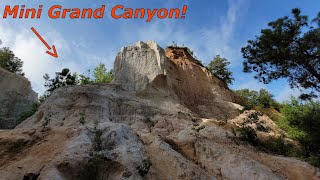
{"x": 101, "y": 75}
{"x": 10, "y": 62}
{"x": 219, "y": 67}
{"x": 66, "y": 78}
{"x": 289, "y": 48}
{"x": 261, "y": 98}
{"x": 63, "y": 78}
{"x": 301, "y": 120}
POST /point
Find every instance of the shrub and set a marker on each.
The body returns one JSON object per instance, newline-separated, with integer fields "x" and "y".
{"x": 277, "y": 145}
{"x": 301, "y": 119}
{"x": 253, "y": 117}
{"x": 252, "y": 99}
{"x": 61, "y": 79}
{"x": 85, "y": 79}
{"x": 274, "y": 145}
{"x": 95, "y": 163}
{"x": 198, "y": 128}
{"x": 10, "y": 62}
{"x": 261, "y": 128}
{"x": 97, "y": 160}
{"x": 149, "y": 122}
{"x": 248, "y": 134}
{"x": 144, "y": 169}
{"x": 82, "y": 118}
{"x": 97, "y": 141}
{"x": 47, "y": 120}
{"x": 101, "y": 74}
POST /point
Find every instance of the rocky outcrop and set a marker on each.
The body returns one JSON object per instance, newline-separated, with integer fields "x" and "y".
{"x": 16, "y": 96}
{"x": 137, "y": 66}
{"x": 148, "y": 69}
{"x": 141, "y": 126}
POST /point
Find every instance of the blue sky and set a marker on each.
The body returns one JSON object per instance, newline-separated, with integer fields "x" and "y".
{"x": 210, "y": 28}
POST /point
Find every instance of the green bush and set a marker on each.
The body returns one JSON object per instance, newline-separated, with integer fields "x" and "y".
{"x": 84, "y": 79}
{"x": 26, "y": 114}
{"x": 82, "y": 118}
{"x": 101, "y": 74}
{"x": 262, "y": 128}
{"x": 301, "y": 120}
{"x": 10, "y": 62}
{"x": 252, "y": 99}
{"x": 277, "y": 145}
{"x": 150, "y": 123}
{"x": 97, "y": 141}
{"x": 47, "y": 120}
{"x": 144, "y": 169}
{"x": 248, "y": 134}
{"x": 197, "y": 128}
{"x": 273, "y": 145}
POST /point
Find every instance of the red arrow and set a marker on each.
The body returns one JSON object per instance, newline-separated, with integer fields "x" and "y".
{"x": 54, "y": 53}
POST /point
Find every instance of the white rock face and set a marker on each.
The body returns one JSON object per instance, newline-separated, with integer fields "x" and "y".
{"x": 16, "y": 96}
{"x": 146, "y": 68}
{"x": 136, "y": 66}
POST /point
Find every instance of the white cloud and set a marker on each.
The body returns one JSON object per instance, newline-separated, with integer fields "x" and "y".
{"x": 30, "y": 49}
{"x": 206, "y": 42}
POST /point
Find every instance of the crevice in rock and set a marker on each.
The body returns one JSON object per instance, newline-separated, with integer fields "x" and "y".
{"x": 31, "y": 176}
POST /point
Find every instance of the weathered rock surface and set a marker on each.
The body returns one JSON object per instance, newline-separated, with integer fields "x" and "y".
{"x": 16, "y": 96}
{"x": 163, "y": 117}
{"x": 147, "y": 69}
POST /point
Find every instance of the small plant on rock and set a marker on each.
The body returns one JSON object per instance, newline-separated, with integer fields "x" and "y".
{"x": 82, "y": 118}
{"x": 197, "y": 128}
{"x": 97, "y": 141}
{"x": 248, "y": 134}
{"x": 262, "y": 128}
{"x": 149, "y": 122}
{"x": 144, "y": 169}
{"x": 47, "y": 120}
{"x": 97, "y": 159}
{"x": 253, "y": 117}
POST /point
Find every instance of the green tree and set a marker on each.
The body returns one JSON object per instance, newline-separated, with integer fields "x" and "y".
{"x": 262, "y": 99}
{"x": 289, "y": 48}
{"x": 218, "y": 67}
{"x": 10, "y": 62}
{"x": 249, "y": 98}
{"x": 101, "y": 75}
{"x": 63, "y": 78}
{"x": 302, "y": 122}
{"x": 265, "y": 99}
{"x": 85, "y": 79}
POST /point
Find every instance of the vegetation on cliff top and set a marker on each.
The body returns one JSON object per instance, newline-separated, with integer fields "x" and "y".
{"x": 10, "y": 62}
{"x": 219, "y": 67}
{"x": 67, "y": 78}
